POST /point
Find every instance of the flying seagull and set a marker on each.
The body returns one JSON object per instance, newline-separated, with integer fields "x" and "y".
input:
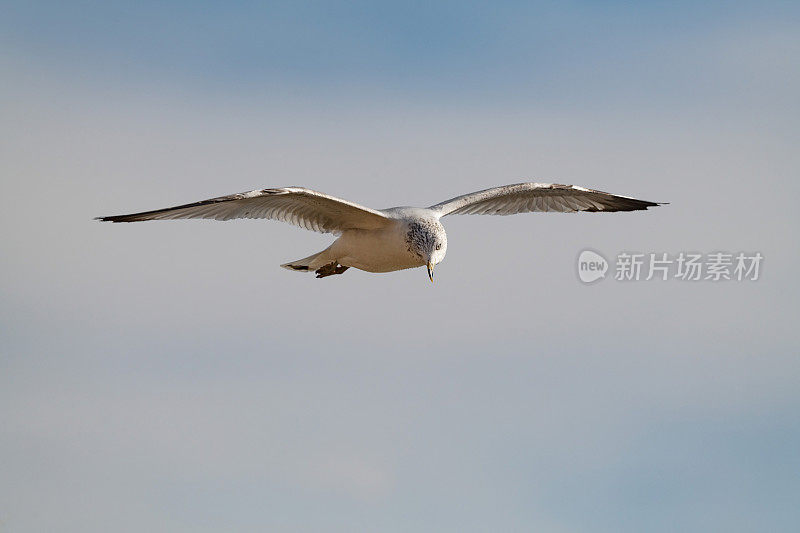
{"x": 385, "y": 240}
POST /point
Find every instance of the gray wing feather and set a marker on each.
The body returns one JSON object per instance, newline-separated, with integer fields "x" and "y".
{"x": 302, "y": 207}
{"x": 544, "y": 197}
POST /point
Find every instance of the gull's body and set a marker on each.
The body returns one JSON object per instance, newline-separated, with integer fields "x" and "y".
{"x": 389, "y": 239}
{"x": 382, "y": 250}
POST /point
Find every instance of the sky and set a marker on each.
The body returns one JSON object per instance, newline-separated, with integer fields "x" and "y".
{"x": 171, "y": 377}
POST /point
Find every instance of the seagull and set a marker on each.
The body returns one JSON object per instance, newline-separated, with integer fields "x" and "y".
{"x": 385, "y": 240}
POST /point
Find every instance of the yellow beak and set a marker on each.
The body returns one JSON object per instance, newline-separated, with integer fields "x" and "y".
{"x": 430, "y": 271}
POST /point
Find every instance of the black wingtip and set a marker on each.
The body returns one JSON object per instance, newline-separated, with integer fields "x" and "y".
{"x": 643, "y": 205}
{"x": 629, "y": 204}
{"x": 122, "y": 218}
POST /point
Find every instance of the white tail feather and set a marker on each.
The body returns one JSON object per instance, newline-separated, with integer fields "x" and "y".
{"x": 310, "y": 263}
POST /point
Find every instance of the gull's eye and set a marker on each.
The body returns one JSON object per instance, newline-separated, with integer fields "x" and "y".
{"x": 439, "y": 246}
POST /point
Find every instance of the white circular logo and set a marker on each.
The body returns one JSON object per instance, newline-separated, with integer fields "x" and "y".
{"x": 591, "y": 266}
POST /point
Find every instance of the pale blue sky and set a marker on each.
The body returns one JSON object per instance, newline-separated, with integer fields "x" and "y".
{"x": 170, "y": 377}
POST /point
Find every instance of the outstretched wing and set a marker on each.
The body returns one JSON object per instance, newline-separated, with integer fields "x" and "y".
{"x": 302, "y": 207}
{"x": 530, "y": 197}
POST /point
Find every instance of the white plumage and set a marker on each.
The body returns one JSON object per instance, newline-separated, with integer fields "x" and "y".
{"x": 388, "y": 239}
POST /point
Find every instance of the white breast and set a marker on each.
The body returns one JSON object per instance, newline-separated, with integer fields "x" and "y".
{"x": 383, "y": 250}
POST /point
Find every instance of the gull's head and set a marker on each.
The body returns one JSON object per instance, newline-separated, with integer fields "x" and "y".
{"x": 427, "y": 240}
{"x": 435, "y": 254}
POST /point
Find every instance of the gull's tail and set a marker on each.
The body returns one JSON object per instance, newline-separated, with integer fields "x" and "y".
{"x": 310, "y": 263}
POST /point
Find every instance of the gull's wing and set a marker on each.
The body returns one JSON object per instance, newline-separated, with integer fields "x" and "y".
{"x": 302, "y": 207}
{"x": 529, "y": 197}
